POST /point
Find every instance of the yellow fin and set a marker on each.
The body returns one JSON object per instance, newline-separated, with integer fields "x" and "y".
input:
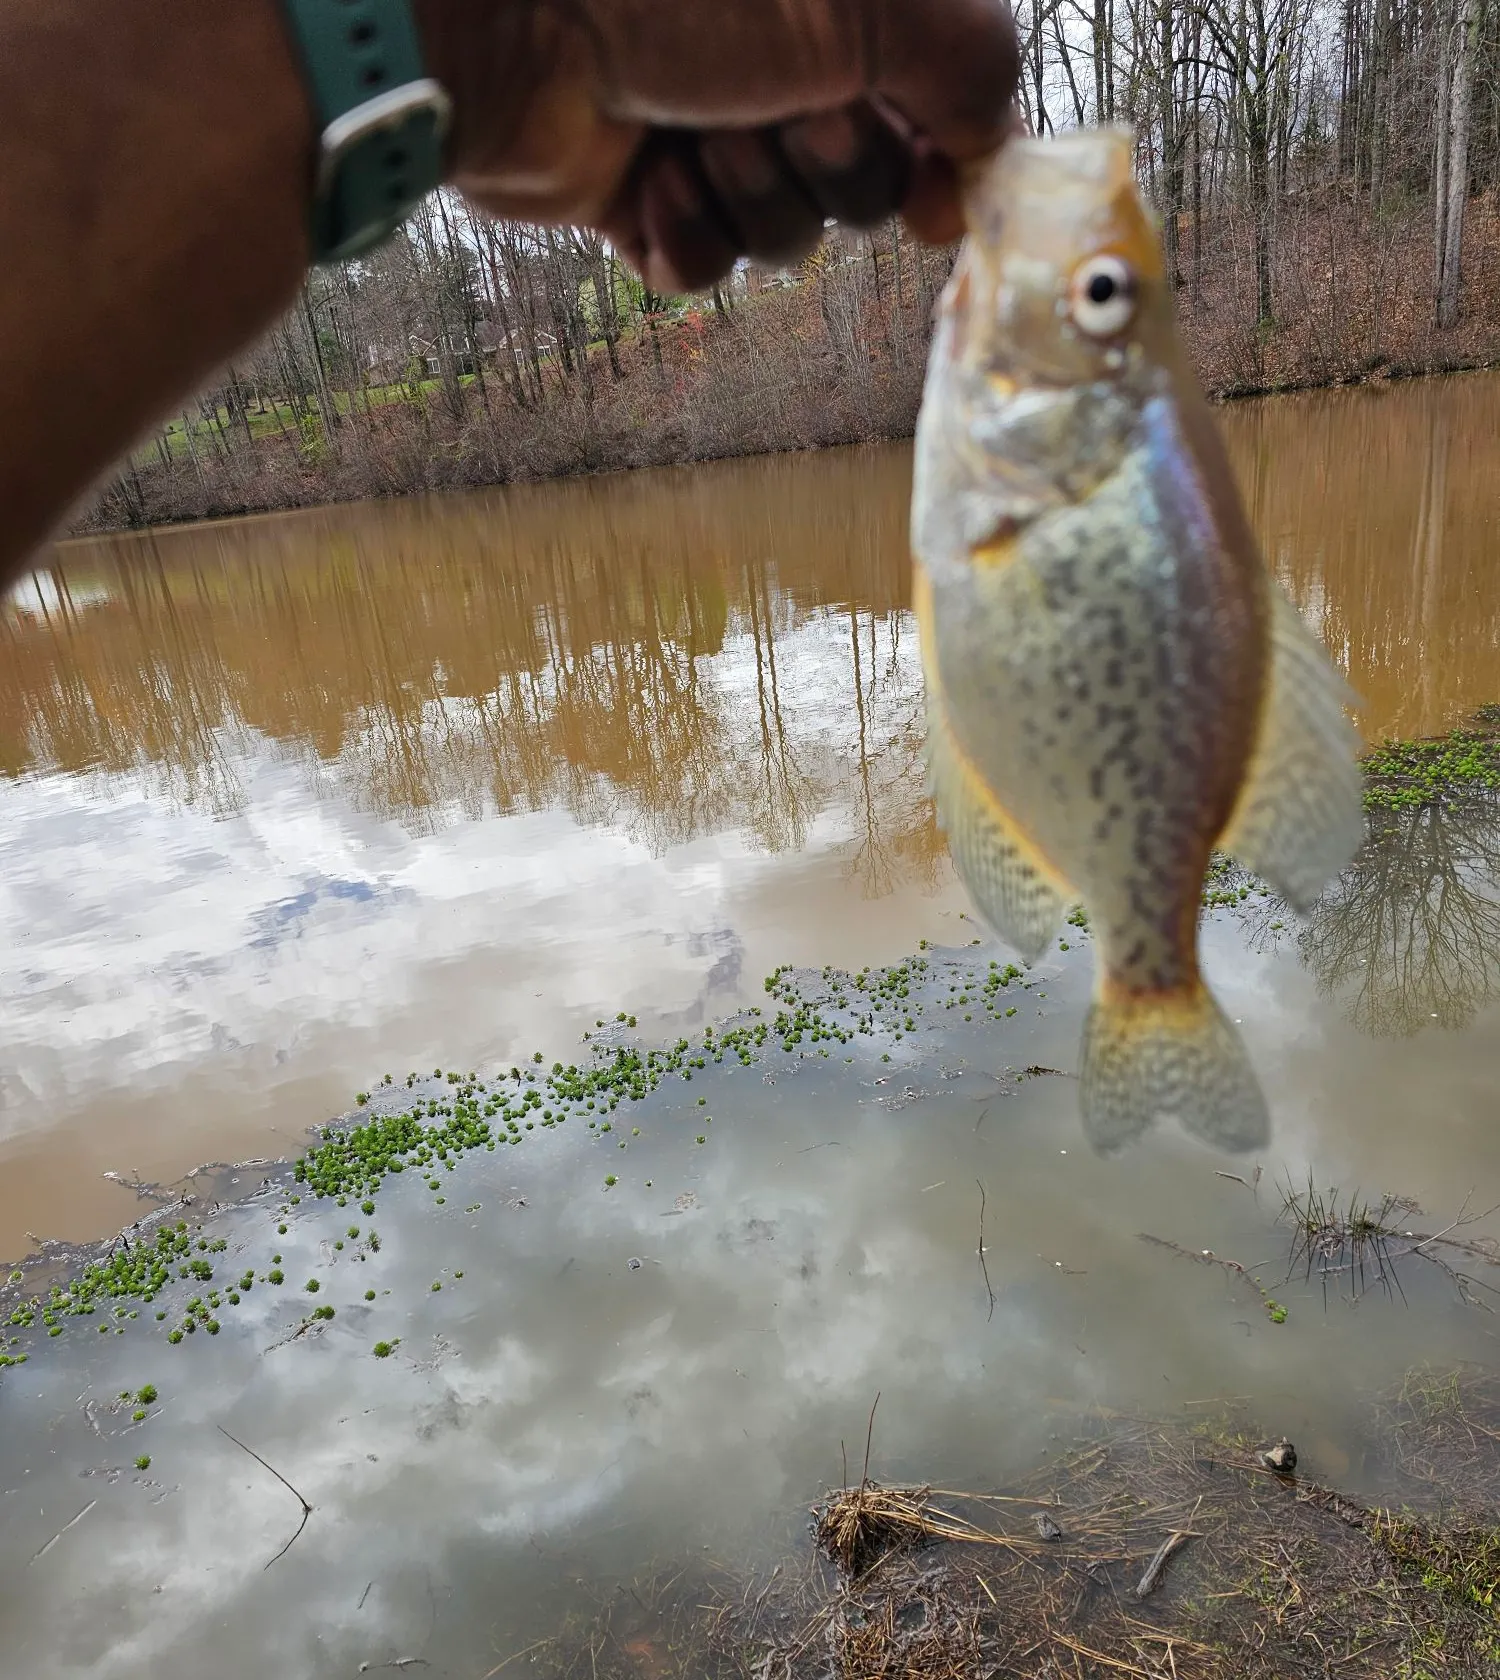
{"x": 1007, "y": 887}
{"x": 1171, "y": 1054}
{"x": 1299, "y": 818}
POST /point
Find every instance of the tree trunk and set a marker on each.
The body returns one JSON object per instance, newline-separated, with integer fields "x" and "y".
{"x": 1171, "y": 146}
{"x": 1451, "y": 186}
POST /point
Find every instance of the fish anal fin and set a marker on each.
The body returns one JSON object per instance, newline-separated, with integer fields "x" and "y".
{"x": 1299, "y": 817}
{"x": 1168, "y": 1054}
{"x": 1010, "y": 888}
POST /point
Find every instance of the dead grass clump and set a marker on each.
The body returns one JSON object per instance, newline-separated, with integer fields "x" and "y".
{"x": 857, "y": 1527}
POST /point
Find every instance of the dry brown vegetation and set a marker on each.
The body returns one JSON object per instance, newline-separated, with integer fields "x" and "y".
{"x": 1267, "y": 1576}
{"x": 836, "y": 358}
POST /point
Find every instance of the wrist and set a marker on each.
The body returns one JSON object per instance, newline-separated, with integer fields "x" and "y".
{"x": 521, "y": 75}
{"x": 467, "y": 44}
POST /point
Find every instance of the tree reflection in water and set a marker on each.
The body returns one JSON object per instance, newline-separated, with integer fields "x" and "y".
{"x": 671, "y": 656}
{"x": 1409, "y": 934}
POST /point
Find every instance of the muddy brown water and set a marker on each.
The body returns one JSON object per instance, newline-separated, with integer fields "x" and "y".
{"x": 296, "y": 801}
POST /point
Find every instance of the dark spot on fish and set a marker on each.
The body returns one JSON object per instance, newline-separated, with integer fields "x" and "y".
{"x": 1114, "y": 674}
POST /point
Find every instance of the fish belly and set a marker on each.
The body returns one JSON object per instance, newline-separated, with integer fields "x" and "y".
{"x": 1094, "y": 675}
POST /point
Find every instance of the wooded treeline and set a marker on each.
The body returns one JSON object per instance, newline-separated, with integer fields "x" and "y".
{"x": 1325, "y": 172}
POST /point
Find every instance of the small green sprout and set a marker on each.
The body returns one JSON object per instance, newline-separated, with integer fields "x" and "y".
{"x": 143, "y": 1462}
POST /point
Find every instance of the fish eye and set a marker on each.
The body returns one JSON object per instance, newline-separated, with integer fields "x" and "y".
{"x": 1102, "y": 296}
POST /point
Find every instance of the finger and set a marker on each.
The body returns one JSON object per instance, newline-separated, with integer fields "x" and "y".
{"x": 685, "y": 241}
{"x": 950, "y": 69}
{"x": 856, "y": 166}
{"x": 775, "y": 217}
{"x": 933, "y": 208}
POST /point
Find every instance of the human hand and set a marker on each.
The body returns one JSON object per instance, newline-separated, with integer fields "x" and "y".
{"x": 693, "y": 132}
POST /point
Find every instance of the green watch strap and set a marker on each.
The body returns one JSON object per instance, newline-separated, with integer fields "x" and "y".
{"x": 381, "y": 119}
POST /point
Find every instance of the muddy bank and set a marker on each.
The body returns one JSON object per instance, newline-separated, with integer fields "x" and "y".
{"x": 1150, "y": 1549}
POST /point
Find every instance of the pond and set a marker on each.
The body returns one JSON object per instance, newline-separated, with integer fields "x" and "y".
{"x": 298, "y": 803}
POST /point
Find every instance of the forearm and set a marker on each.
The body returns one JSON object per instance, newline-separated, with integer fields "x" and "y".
{"x": 154, "y": 167}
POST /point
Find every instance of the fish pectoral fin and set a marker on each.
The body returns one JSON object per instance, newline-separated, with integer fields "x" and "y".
{"x": 1174, "y": 1053}
{"x": 1299, "y": 818}
{"x": 1008, "y": 888}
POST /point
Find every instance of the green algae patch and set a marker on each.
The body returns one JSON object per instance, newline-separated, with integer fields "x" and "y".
{"x": 1437, "y": 770}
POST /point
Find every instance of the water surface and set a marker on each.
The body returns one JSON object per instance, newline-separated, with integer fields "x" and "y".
{"x": 291, "y": 800}
{"x": 295, "y": 802}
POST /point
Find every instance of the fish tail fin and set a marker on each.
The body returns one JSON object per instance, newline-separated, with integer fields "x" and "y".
{"x": 1168, "y": 1053}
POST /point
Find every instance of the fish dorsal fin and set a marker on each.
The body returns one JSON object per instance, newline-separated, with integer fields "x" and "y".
{"x": 1008, "y": 889}
{"x": 1299, "y": 818}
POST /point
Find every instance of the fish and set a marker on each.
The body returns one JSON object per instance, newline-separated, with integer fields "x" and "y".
{"x": 1116, "y": 684}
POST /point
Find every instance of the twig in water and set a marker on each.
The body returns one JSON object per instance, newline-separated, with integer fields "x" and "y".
{"x": 983, "y": 1266}
{"x": 306, "y": 1508}
{"x": 525, "y": 1651}
{"x": 1151, "y": 1580}
{"x": 864, "y": 1475}
{"x": 63, "y": 1530}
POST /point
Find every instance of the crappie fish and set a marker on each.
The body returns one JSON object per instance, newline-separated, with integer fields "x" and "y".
{"x": 1116, "y": 685}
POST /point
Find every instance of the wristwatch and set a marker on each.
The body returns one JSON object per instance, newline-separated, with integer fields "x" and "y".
{"x": 382, "y": 119}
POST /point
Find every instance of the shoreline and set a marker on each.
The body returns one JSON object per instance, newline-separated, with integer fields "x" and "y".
{"x": 89, "y": 526}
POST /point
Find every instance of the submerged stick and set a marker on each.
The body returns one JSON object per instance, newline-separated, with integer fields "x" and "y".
{"x": 306, "y": 1508}
{"x": 983, "y": 1265}
{"x": 1157, "y": 1567}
